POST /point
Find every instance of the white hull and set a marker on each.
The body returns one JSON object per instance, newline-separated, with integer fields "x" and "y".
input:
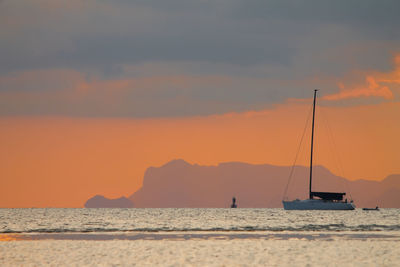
{"x": 317, "y": 204}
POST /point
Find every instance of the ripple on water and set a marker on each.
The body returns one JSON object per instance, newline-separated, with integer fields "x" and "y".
{"x": 186, "y": 220}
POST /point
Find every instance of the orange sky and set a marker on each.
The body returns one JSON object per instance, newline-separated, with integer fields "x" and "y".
{"x": 94, "y": 93}
{"x": 61, "y": 162}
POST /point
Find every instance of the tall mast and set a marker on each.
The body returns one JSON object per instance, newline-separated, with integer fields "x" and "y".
{"x": 312, "y": 143}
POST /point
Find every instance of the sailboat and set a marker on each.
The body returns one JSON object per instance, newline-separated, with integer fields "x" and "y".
{"x": 318, "y": 200}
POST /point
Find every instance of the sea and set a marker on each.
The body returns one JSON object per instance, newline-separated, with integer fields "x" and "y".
{"x": 198, "y": 237}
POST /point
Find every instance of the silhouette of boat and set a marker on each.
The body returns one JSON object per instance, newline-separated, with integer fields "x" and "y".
{"x": 318, "y": 200}
{"x": 376, "y": 208}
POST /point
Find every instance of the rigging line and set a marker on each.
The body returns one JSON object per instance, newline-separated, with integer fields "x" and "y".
{"x": 335, "y": 155}
{"x": 297, "y": 154}
{"x": 331, "y": 142}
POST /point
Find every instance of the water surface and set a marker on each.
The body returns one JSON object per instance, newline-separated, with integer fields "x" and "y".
{"x": 191, "y": 236}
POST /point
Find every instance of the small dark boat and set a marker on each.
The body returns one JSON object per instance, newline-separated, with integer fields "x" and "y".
{"x": 376, "y": 208}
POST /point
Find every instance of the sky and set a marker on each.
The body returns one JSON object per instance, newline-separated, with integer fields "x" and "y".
{"x": 94, "y": 92}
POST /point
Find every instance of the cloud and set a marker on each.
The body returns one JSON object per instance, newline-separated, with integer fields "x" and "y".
{"x": 391, "y": 77}
{"x": 376, "y": 85}
{"x": 80, "y": 34}
{"x": 178, "y": 89}
{"x": 372, "y": 89}
{"x": 71, "y": 93}
{"x": 264, "y": 52}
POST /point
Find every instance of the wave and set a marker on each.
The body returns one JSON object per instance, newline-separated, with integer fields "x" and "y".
{"x": 304, "y": 228}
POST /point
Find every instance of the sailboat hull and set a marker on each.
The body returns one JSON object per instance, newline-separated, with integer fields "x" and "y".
{"x": 317, "y": 204}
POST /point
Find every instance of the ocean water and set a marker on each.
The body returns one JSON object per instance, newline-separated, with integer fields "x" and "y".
{"x": 199, "y": 237}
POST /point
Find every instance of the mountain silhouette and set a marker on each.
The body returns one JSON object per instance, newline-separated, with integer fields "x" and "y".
{"x": 180, "y": 184}
{"x": 99, "y": 201}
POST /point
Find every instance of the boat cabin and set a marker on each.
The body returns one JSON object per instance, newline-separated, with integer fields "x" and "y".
{"x": 328, "y": 196}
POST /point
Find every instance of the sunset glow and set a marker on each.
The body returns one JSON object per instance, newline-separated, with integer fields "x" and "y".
{"x": 92, "y": 93}
{"x": 61, "y": 161}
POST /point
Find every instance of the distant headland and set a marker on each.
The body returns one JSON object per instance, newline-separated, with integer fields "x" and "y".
{"x": 103, "y": 202}
{"x": 180, "y": 184}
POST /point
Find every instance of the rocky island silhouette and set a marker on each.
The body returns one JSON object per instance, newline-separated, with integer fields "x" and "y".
{"x": 179, "y": 184}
